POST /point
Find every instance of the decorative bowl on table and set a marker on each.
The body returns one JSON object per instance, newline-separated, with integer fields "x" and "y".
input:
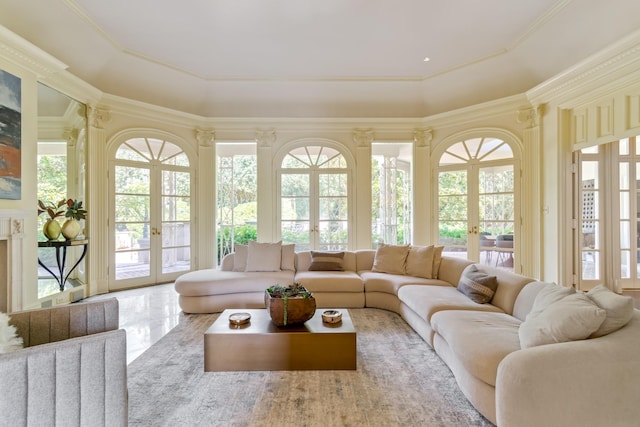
{"x": 289, "y": 305}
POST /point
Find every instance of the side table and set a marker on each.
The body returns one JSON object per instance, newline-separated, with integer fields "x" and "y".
{"x": 61, "y": 257}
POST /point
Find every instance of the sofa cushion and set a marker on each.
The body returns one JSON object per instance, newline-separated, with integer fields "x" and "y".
{"x": 574, "y": 317}
{"x": 478, "y": 286}
{"x": 390, "y": 258}
{"x": 327, "y": 261}
{"x": 425, "y": 301}
{"x": 480, "y": 340}
{"x": 264, "y": 256}
{"x": 420, "y": 261}
{"x": 217, "y": 282}
{"x": 619, "y": 309}
{"x": 330, "y": 281}
{"x": 390, "y": 283}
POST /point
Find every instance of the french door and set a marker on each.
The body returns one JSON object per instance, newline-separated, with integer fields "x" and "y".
{"x": 151, "y": 211}
{"x": 476, "y": 202}
{"x": 314, "y": 204}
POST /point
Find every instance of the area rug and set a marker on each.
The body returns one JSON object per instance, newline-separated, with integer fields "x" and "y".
{"x": 400, "y": 381}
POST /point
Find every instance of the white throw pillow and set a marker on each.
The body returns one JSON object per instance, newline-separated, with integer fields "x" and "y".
{"x": 9, "y": 340}
{"x": 547, "y": 296}
{"x": 264, "y": 256}
{"x": 619, "y": 309}
{"x": 240, "y": 257}
{"x": 420, "y": 261}
{"x": 390, "y": 258}
{"x": 574, "y": 317}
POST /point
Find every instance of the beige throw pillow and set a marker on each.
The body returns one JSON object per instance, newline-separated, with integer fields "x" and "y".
{"x": 288, "y": 261}
{"x": 547, "y": 296}
{"x": 327, "y": 261}
{"x": 437, "y": 259}
{"x": 264, "y": 256}
{"x": 420, "y": 261}
{"x": 390, "y": 258}
{"x": 619, "y": 309}
{"x": 574, "y": 317}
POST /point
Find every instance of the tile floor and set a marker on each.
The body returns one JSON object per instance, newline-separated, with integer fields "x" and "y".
{"x": 147, "y": 314}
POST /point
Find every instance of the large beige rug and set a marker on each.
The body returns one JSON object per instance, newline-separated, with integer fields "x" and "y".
{"x": 400, "y": 381}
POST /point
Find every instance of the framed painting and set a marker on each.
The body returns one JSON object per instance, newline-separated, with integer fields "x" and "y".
{"x": 10, "y": 137}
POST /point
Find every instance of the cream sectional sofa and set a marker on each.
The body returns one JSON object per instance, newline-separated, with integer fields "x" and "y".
{"x": 589, "y": 382}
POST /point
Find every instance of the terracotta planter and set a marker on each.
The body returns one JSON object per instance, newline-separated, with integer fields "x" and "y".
{"x": 288, "y": 311}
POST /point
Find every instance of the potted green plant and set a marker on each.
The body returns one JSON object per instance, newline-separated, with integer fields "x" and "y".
{"x": 51, "y": 228}
{"x": 289, "y": 305}
{"x": 74, "y": 213}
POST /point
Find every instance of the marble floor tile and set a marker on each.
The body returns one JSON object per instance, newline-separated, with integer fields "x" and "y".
{"x": 147, "y": 314}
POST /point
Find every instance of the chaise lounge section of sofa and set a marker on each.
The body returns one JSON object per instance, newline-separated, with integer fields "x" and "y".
{"x": 590, "y": 381}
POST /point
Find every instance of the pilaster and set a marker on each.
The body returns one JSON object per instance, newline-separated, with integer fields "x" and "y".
{"x": 204, "y": 204}
{"x": 422, "y": 188}
{"x": 265, "y": 140}
{"x": 363, "y": 139}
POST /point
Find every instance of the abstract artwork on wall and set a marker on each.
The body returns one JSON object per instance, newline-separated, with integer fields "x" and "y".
{"x": 10, "y": 136}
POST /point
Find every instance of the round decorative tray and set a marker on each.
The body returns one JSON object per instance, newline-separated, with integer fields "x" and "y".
{"x": 331, "y": 316}
{"x": 239, "y": 318}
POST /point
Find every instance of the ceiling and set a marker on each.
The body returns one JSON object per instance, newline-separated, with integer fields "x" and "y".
{"x": 318, "y": 58}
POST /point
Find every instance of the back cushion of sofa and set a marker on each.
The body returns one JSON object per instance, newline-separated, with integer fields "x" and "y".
{"x": 509, "y": 286}
{"x": 451, "y": 269}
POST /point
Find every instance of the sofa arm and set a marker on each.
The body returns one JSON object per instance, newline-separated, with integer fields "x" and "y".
{"x": 79, "y": 381}
{"x": 587, "y": 383}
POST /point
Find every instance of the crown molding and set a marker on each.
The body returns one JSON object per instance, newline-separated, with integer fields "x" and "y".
{"x": 610, "y": 69}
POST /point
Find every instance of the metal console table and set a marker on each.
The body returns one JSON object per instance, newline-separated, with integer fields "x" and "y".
{"x": 61, "y": 257}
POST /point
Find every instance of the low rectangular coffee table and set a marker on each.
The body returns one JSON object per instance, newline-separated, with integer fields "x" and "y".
{"x": 262, "y": 346}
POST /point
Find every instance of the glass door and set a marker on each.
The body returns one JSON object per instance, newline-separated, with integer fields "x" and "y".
{"x": 476, "y": 201}
{"x": 151, "y": 234}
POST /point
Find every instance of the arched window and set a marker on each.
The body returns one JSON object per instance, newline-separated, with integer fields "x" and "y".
{"x": 476, "y": 200}
{"x": 151, "y": 231}
{"x": 314, "y": 198}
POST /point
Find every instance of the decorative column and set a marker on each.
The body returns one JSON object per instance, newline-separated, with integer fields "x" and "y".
{"x": 97, "y": 223}
{"x": 363, "y": 138}
{"x": 205, "y": 231}
{"x": 423, "y": 220}
{"x": 265, "y": 140}
{"x": 531, "y": 253}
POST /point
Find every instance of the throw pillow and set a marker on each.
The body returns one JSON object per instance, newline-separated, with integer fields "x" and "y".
{"x": 9, "y": 340}
{"x": 574, "y": 317}
{"x": 288, "y": 261}
{"x": 390, "y": 258}
{"x": 437, "y": 260}
{"x": 619, "y": 309}
{"x": 478, "y": 286}
{"x": 547, "y": 296}
{"x": 264, "y": 256}
{"x": 240, "y": 257}
{"x": 420, "y": 261}
{"x": 327, "y": 261}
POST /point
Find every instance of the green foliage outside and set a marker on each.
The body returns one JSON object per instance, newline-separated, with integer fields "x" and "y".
{"x": 52, "y": 184}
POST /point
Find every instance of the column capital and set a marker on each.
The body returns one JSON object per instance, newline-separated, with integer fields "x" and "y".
{"x": 423, "y": 137}
{"x": 530, "y": 115}
{"x": 363, "y": 137}
{"x": 265, "y": 138}
{"x": 205, "y": 137}
{"x": 71, "y": 136}
{"x": 98, "y": 117}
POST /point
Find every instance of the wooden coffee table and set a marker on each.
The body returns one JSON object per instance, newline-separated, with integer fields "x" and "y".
{"x": 262, "y": 346}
